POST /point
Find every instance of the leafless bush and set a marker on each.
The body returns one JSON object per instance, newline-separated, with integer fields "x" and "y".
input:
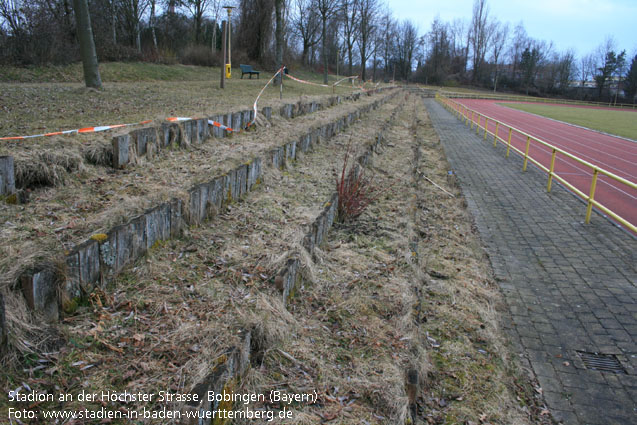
{"x": 356, "y": 190}
{"x": 200, "y": 55}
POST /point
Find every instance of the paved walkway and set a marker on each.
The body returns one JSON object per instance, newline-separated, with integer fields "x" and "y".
{"x": 571, "y": 288}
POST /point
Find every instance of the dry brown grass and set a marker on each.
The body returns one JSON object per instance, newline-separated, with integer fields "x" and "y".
{"x": 33, "y": 108}
{"x": 365, "y": 314}
{"x": 475, "y": 376}
{"x": 163, "y": 323}
{"x": 93, "y": 199}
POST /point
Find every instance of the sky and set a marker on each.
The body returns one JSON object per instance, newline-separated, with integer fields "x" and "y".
{"x": 578, "y": 24}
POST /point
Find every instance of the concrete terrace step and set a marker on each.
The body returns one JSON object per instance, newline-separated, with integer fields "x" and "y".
{"x": 103, "y": 256}
{"x": 220, "y": 262}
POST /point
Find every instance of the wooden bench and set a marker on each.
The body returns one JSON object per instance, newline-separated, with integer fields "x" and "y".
{"x": 247, "y": 69}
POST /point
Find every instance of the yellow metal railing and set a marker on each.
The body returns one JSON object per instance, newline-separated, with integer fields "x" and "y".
{"x": 469, "y": 116}
{"x": 461, "y": 95}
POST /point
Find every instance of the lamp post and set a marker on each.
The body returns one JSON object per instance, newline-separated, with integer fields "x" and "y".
{"x": 228, "y": 65}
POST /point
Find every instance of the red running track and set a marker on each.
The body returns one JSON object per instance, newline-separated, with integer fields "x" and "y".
{"x": 619, "y": 156}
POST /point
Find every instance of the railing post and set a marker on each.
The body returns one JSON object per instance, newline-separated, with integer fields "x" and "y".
{"x": 495, "y": 136}
{"x": 486, "y": 127}
{"x": 478, "y": 124}
{"x": 589, "y": 207}
{"x": 472, "y": 120}
{"x": 509, "y": 142}
{"x": 548, "y": 186}
{"x": 526, "y": 152}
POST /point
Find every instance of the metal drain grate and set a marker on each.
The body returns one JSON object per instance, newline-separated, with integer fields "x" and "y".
{"x": 601, "y": 362}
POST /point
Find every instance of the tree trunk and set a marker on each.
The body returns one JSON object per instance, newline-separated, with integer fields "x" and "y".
{"x": 363, "y": 62}
{"x": 278, "y": 11}
{"x": 114, "y": 21}
{"x": 87, "y": 45}
{"x": 304, "y": 59}
{"x": 214, "y": 36}
{"x": 67, "y": 20}
{"x": 152, "y": 25}
{"x": 138, "y": 37}
{"x": 374, "y": 74}
{"x": 324, "y": 50}
{"x": 349, "y": 57}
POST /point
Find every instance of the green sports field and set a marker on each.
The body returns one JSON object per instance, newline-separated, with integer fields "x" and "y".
{"x": 620, "y": 123}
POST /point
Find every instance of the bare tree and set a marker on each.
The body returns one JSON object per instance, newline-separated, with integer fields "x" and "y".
{"x": 306, "y": 23}
{"x": 132, "y": 12}
{"x": 500, "y": 38}
{"x": 459, "y": 33}
{"x": 481, "y": 32}
{"x": 438, "y": 52}
{"x": 519, "y": 42}
{"x": 216, "y": 8}
{"x": 151, "y": 23}
{"x": 255, "y": 27}
{"x": 197, "y": 10}
{"x": 407, "y": 43}
{"x": 349, "y": 17}
{"x": 567, "y": 69}
{"x": 113, "y": 10}
{"x": 12, "y": 12}
{"x": 279, "y": 5}
{"x": 587, "y": 68}
{"x": 367, "y": 24}
{"x": 389, "y": 31}
{"x": 327, "y": 9}
{"x": 87, "y": 46}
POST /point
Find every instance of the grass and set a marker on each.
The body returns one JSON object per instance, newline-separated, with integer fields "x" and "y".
{"x": 110, "y": 72}
{"x": 619, "y": 123}
{"x": 363, "y": 310}
{"x": 363, "y": 315}
{"x": 47, "y": 99}
{"x": 163, "y": 323}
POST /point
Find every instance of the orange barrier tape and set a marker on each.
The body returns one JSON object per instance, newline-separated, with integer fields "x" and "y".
{"x": 210, "y": 122}
{"x": 362, "y": 87}
{"x": 171, "y": 119}
{"x": 254, "y": 106}
{"x": 110, "y": 127}
{"x": 221, "y": 126}
{"x": 75, "y": 131}
{"x": 305, "y": 82}
{"x": 343, "y": 79}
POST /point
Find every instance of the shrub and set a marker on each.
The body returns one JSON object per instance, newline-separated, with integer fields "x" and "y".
{"x": 356, "y": 190}
{"x": 200, "y": 55}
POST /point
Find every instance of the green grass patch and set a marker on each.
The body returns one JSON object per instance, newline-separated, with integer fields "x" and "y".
{"x": 620, "y": 123}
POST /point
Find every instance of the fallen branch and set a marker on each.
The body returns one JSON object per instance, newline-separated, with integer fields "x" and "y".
{"x": 438, "y": 186}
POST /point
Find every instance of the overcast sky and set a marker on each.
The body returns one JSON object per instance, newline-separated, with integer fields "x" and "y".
{"x": 578, "y": 24}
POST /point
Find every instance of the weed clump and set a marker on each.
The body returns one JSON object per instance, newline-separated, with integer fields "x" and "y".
{"x": 356, "y": 190}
